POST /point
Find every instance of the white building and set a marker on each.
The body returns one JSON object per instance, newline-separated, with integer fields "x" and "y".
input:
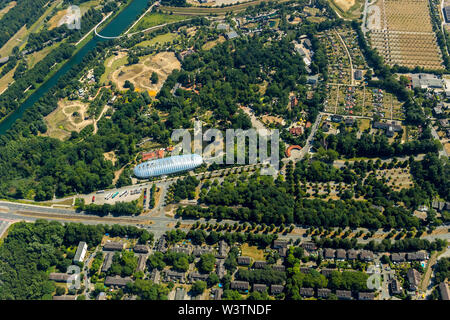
{"x": 81, "y": 252}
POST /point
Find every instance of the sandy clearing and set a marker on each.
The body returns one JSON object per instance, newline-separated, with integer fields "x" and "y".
{"x": 344, "y": 4}
{"x": 139, "y": 74}
{"x": 61, "y": 122}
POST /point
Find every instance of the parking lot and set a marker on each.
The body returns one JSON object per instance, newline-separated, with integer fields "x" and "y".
{"x": 125, "y": 194}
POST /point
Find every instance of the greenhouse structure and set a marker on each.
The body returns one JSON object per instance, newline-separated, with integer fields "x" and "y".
{"x": 167, "y": 165}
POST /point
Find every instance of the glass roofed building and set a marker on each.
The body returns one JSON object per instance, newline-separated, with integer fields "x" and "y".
{"x": 167, "y": 165}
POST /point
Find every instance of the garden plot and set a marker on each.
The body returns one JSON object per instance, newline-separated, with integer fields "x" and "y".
{"x": 338, "y": 62}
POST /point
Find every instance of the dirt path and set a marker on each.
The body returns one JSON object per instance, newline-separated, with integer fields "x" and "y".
{"x": 427, "y": 276}
{"x": 105, "y": 108}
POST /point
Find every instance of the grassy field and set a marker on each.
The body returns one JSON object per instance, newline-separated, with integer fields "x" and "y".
{"x": 155, "y": 19}
{"x": 7, "y": 79}
{"x": 37, "y": 56}
{"x": 167, "y": 37}
{"x": 211, "y": 44}
{"x": 111, "y": 64}
{"x": 253, "y": 252}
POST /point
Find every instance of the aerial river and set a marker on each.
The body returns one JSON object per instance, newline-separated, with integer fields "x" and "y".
{"x": 114, "y": 28}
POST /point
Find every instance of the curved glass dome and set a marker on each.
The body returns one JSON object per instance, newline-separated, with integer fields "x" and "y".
{"x": 167, "y": 165}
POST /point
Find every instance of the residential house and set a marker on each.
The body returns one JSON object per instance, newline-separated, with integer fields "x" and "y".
{"x": 117, "y": 281}
{"x": 341, "y": 254}
{"x": 114, "y": 246}
{"x": 259, "y": 264}
{"x": 278, "y": 267}
{"x": 309, "y": 246}
{"x": 276, "y": 289}
{"x": 195, "y": 276}
{"x": 259, "y": 287}
{"x": 395, "y": 287}
{"x": 413, "y": 279}
{"x": 398, "y": 257}
{"x": 65, "y": 297}
{"x": 323, "y": 293}
{"x": 327, "y": 272}
{"x": 443, "y": 288}
{"x": 62, "y": 277}
{"x": 222, "y": 250}
{"x": 155, "y": 276}
{"x": 239, "y": 285}
{"x": 141, "y": 248}
{"x": 366, "y": 296}
{"x": 141, "y": 262}
{"x": 366, "y": 255}
{"x": 217, "y": 293}
{"x": 171, "y": 275}
{"x": 344, "y": 294}
{"x": 352, "y": 254}
{"x": 280, "y": 244}
{"x": 307, "y": 292}
{"x": 107, "y": 262}
{"x": 329, "y": 253}
{"x": 244, "y": 261}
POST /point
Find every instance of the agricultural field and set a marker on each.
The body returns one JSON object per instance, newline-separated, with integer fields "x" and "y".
{"x": 400, "y": 25}
{"x": 139, "y": 74}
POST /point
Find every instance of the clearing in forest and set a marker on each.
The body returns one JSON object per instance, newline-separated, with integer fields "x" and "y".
{"x": 67, "y": 117}
{"x": 139, "y": 74}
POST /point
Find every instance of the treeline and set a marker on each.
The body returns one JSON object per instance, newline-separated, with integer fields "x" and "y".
{"x": 266, "y": 276}
{"x": 368, "y": 145}
{"x": 386, "y": 245}
{"x": 116, "y": 209}
{"x": 199, "y": 237}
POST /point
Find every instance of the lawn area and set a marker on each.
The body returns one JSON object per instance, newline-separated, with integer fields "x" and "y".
{"x": 363, "y": 124}
{"x": 252, "y": 251}
{"x": 155, "y": 19}
{"x": 167, "y": 37}
{"x": 37, "y": 56}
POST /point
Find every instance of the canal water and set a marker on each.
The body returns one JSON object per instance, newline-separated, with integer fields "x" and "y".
{"x": 116, "y": 27}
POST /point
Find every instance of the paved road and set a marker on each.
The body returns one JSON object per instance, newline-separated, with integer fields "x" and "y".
{"x": 442, "y": 152}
